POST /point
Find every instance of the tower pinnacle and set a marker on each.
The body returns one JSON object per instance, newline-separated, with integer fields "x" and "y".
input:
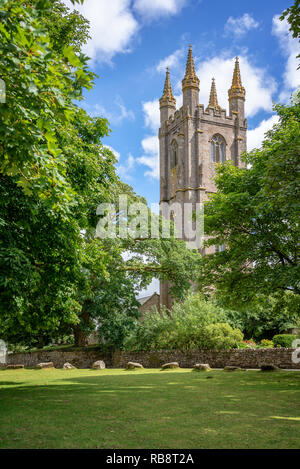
{"x": 213, "y": 99}
{"x": 190, "y": 79}
{"x": 236, "y": 90}
{"x": 167, "y": 98}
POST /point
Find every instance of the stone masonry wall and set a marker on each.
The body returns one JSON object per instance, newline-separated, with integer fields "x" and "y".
{"x": 244, "y": 358}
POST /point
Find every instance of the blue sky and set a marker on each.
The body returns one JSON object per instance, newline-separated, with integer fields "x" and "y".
{"x": 133, "y": 41}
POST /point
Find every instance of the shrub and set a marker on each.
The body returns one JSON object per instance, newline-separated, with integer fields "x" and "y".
{"x": 265, "y": 343}
{"x": 242, "y": 345}
{"x": 185, "y": 328}
{"x": 220, "y": 336}
{"x": 284, "y": 340}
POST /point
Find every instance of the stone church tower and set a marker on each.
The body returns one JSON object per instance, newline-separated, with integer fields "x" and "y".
{"x": 192, "y": 140}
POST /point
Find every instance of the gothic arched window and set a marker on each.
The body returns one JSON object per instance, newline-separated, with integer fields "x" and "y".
{"x": 217, "y": 149}
{"x": 174, "y": 154}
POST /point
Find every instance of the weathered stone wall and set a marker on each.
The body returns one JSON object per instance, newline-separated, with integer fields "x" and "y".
{"x": 78, "y": 358}
{"x": 245, "y": 358}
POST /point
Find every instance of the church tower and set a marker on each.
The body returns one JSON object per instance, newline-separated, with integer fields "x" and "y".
{"x": 192, "y": 140}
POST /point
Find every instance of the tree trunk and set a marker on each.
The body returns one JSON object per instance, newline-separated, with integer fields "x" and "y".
{"x": 81, "y": 340}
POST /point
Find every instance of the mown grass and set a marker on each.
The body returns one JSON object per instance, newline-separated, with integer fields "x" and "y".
{"x": 149, "y": 409}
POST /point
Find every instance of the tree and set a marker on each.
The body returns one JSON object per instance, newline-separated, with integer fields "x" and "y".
{"x": 194, "y": 323}
{"x": 292, "y": 14}
{"x": 51, "y": 160}
{"x": 255, "y": 213}
{"x": 55, "y": 276}
{"x": 41, "y": 86}
{"x": 108, "y": 297}
{"x": 265, "y": 316}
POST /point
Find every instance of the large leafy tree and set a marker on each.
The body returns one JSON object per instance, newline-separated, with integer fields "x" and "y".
{"x": 56, "y": 277}
{"x": 292, "y": 15}
{"x": 51, "y": 161}
{"x": 255, "y": 213}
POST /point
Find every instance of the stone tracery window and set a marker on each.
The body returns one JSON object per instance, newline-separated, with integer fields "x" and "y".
{"x": 174, "y": 154}
{"x": 217, "y": 149}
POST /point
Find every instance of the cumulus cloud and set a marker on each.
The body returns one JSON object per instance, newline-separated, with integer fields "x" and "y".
{"x": 150, "y": 144}
{"x": 172, "y": 61}
{"x": 290, "y": 49}
{"x": 256, "y": 136}
{"x": 151, "y": 9}
{"x": 150, "y": 157}
{"x": 115, "y": 116}
{"x": 240, "y": 26}
{"x": 125, "y": 170}
{"x": 151, "y": 114}
{"x": 259, "y": 85}
{"x": 112, "y": 27}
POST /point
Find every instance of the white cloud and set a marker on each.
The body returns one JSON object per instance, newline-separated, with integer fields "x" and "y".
{"x": 115, "y": 116}
{"x": 125, "y": 170}
{"x": 152, "y": 115}
{"x": 151, "y": 9}
{"x": 290, "y": 48}
{"x": 150, "y": 157}
{"x": 240, "y": 26}
{"x": 150, "y": 144}
{"x": 112, "y": 27}
{"x": 172, "y": 61}
{"x": 256, "y": 136}
{"x": 259, "y": 86}
{"x": 123, "y": 113}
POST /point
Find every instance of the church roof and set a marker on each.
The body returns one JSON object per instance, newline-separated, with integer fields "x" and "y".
{"x": 144, "y": 299}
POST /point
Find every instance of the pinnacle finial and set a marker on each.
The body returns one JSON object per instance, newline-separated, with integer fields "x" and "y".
{"x": 190, "y": 78}
{"x": 237, "y": 89}
{"x": 167, "y": 98}
{"x": 213, "y": 99}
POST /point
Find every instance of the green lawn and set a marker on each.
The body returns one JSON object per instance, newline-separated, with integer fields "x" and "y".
{"x": 149, "y": 409}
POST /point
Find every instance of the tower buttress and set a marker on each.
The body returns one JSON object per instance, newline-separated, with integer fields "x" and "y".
{"x": 236, "y": 94}
{"x": 190, "y": 85}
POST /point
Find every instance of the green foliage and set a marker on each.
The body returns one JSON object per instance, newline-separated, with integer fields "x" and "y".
{"x": 265, "y": 343}
{"x": 41, "y": 86}
{"x": 65, "y": 27}
{"x": 195, "y": 323}
{"x": 220, "y": 336}
{"x": 284, "y": 340}
{"x": 292, "y": 14}
{"x": 255, "y": 214}
{"x": 51, "y": 161}
{"x": 55, "y": 276}
{"x": 264, "y": 316}
{"x": 247, "y": 344}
